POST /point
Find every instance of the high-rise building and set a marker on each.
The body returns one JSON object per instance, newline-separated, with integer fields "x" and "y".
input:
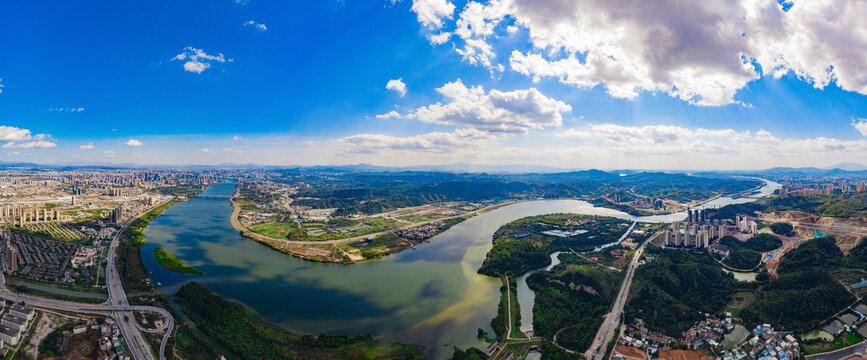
{"x": 687, "y": 237}
{"x": 116, "y": 215}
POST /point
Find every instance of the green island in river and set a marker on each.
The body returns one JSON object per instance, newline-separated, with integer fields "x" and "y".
{"x": 172, "y": 263}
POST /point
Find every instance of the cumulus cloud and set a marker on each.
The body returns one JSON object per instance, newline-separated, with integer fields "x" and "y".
{"x": 512, "y": 112}
{"x": 14, "y": 135}
{"x": 197, "y": 60}
{"x": 236, "y": 137}
{"x": 430, "y": 142}
{"x": 134, "y": 142}
{"x": 1, "y": 86}
{"x": 819, "y": 41}
{"x": 11, "y": 133}
{"x": 396, "y": 85}
{"x": 208, "y": 151}
{"x": 109, "y": 153}
{"x": 232, "y": 150}
{"x": 438, "y": 39}
{"x": 389, "y": 115}
{"x": 88, "y": 146}
{"x": 256, "y": 25}
{"x": 700, "y": 52}
{"x": 860, "y": 125}
{"x": 431, "y": 13}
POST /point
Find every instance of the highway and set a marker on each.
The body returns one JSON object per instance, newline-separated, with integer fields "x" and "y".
{"x": 121, "y": 314}
{"x": 117, "y": 298}
{"x": 612, "y": 319}
{"x": 117, "y": 306}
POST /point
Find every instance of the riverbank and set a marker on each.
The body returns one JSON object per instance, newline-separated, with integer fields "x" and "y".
{"x": 133, "y": 274}
{"x": 430, "y": 294}
{"x": 364, "y": 248}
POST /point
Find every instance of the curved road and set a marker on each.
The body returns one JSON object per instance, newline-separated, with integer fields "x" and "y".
{"x": 117, "y": 306}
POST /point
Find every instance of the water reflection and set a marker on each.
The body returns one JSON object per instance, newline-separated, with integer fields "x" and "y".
{"x": 431, "y": 295}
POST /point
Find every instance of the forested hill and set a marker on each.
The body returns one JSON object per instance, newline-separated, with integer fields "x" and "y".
{"x": 837, "y": 205}
{"x": 376, "y": 192}
{"x": 807, "y": 292}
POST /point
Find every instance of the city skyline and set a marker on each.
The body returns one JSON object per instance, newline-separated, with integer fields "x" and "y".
{"x": 749, "y": 85}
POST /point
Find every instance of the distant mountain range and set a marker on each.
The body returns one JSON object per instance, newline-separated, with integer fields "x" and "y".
{"x": 849, "y": 166}
{"x": 846, "y": 168}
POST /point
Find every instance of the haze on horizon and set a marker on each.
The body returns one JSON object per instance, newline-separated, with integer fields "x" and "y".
{"x": 669, "y": 85}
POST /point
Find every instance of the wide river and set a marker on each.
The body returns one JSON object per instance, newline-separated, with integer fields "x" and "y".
{"x": 429, "y": 295}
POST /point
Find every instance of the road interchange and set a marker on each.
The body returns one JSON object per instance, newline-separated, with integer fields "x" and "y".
{"x": 116, "y": 306}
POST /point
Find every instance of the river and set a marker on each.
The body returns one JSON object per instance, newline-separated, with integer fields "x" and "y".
{"x": 429, "y": 295}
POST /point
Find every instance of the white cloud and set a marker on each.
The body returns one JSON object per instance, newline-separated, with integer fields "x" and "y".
{"x": 860, "y": 125}
{"x": 1, "y": 86}
{"x": 209, "y": 151}
{"x": 14, "y": 135}
{"x": 396, "y": 85}
{"x": 667, "y": 140}
{"x": 232, "y": 150}
{"x": 572, "y": 133}
{"x": 438, "y": 39}
{"x": 109, "y": 153}
{"x": 10, "y": 133}
{"x": 255, "y": 25}
{"x": 432, "y": 12}
{"x": 134, "y": 142}
{"x": 512, "y": 112}
{"x": 197, "y": 60}
{"x": 430, "y": 142}
{"x": 40, "y": 144}
{"x": 67, "y": 109}
{"x": 700, "y": 52}
{"x": 389, "y": 115}
{"x": 820, "y": 41}
{"x": 236, "y": 137}
{"x": 88, "y": 146}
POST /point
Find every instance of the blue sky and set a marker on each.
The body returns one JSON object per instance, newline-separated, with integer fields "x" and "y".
{"x": 288, "y": 83}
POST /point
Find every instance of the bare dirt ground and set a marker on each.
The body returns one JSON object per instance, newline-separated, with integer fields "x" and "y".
{"x": 46, "y": 324}
{"x": 682, "y": 355}
{"x": 630, "y": 352}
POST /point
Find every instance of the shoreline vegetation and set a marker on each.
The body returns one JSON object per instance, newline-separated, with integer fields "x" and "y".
{"x": 172, "y": 263}
{"x": 133, "y": 274}
{"x": 227, "y": 328}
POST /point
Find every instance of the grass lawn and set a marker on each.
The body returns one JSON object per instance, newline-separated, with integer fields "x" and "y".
{"x": 419, "y": 217}
{"x": 273, "y": 229}
{"x": 319, "y": 231}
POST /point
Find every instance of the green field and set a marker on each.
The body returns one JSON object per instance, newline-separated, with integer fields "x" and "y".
{"x": 173, "y": 263}
{"x": 339, "y": 228}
